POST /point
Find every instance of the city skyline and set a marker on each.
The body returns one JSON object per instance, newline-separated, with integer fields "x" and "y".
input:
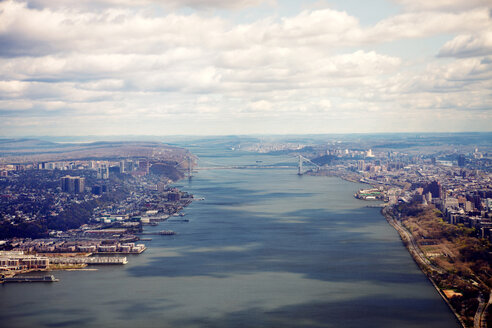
{"x": 214, "y": 67}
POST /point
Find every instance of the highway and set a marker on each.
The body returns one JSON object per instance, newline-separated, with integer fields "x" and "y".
{"x": 413, "y": 248}
{"x": 480, "y": 319}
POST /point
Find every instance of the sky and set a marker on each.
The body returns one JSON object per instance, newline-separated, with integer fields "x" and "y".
{"x": 222, "y": 67}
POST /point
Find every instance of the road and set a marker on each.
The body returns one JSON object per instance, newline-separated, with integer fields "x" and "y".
{"x": 413, "y": 248}
{"x": 480, "y": 319}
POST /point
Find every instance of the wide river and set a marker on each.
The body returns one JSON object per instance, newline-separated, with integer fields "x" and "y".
{"x": 266, "y": 248}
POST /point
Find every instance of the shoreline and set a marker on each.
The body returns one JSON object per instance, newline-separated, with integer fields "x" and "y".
{"x": 422, "y": 265}
{"x": 427, "y": 268}
{"x": 83, "y": 266}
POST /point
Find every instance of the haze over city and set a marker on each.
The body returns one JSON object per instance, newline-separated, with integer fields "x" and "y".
{"x": 113, "y": 67}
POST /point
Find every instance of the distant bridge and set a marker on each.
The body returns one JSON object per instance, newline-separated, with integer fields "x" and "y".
{"x": 241, "y": 167}
{"x": 217, "y": 166}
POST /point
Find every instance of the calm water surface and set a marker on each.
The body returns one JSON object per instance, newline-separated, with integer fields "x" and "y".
{"x": 266, "y": 248}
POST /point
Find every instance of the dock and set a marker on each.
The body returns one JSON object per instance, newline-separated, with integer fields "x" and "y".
{"x": 160, "y": 233}
{"x": 89, "y": 260}
{"x": 49, "y": 278}
{"x": 377, "y": 205}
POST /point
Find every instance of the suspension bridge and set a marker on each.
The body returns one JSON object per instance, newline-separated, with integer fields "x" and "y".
{"x": 302, "y": 162}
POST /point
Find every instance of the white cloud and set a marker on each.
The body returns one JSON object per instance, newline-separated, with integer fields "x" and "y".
{"x": 12, "y": 88}
{"x": 31, "y": 32}
{"x": 443, "y": 4}
{"x": 221, "y": 4}
{"x": 322, "y": 64}
{"x": 26, "y": 31}
{"x": 426, "y": 24}
{"x": 467, "y": 45}
{"x": 216, "y": 3}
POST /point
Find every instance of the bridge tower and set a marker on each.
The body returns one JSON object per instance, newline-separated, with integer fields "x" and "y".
{"x": 190, "y": 167}
{"x": 299, "y": 166}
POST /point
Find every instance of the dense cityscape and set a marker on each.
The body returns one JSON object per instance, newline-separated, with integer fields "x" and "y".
{"x": 56, "y": 214}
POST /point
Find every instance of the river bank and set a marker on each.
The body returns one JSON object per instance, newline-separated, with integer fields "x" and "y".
{"x": 439, "y": 259}
{"x": 418, "y": 257}
{"x": 69, "y": 253}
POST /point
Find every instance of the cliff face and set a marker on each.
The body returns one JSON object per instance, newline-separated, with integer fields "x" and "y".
{"x": 32, "y": 150}
{"x": 167, "y": 170}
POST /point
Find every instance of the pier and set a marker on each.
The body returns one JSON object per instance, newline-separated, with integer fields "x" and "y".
{"x": 159, "y": 233}
{"x": 49, "y": 278}
{"x": 89, "y": 260}
{"x": 377, "y": 205}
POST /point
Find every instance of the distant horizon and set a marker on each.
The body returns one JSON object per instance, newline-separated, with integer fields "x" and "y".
{"x": 239, "y": 134}
{"x": 236, "y": 135}
{"x": 134, "y": 137}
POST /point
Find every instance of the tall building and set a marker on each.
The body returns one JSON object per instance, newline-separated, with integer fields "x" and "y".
{"x": 103, "y": 172}
{"x": 144, "y": 166}
{"x": 435, "y": 189}
{"x": 461, "y": 160}
{"x": 79, "y": 185}
{"x": 428, "y": 197}
{"x": 477, "y": 202}
{"x": 72, "y": 184}
{"x": 122, "y": 166}
{"x": 129, "y": 166}
{"x": 67, "y": 184}
{"x": 489, "y": 204}
{"x": 173, "y": 196}
{"x": 97, "y": 190}
{"x": 361, "y": 165}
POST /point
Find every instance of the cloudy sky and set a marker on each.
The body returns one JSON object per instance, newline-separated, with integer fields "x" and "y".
{"x": 160, "y": 67}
